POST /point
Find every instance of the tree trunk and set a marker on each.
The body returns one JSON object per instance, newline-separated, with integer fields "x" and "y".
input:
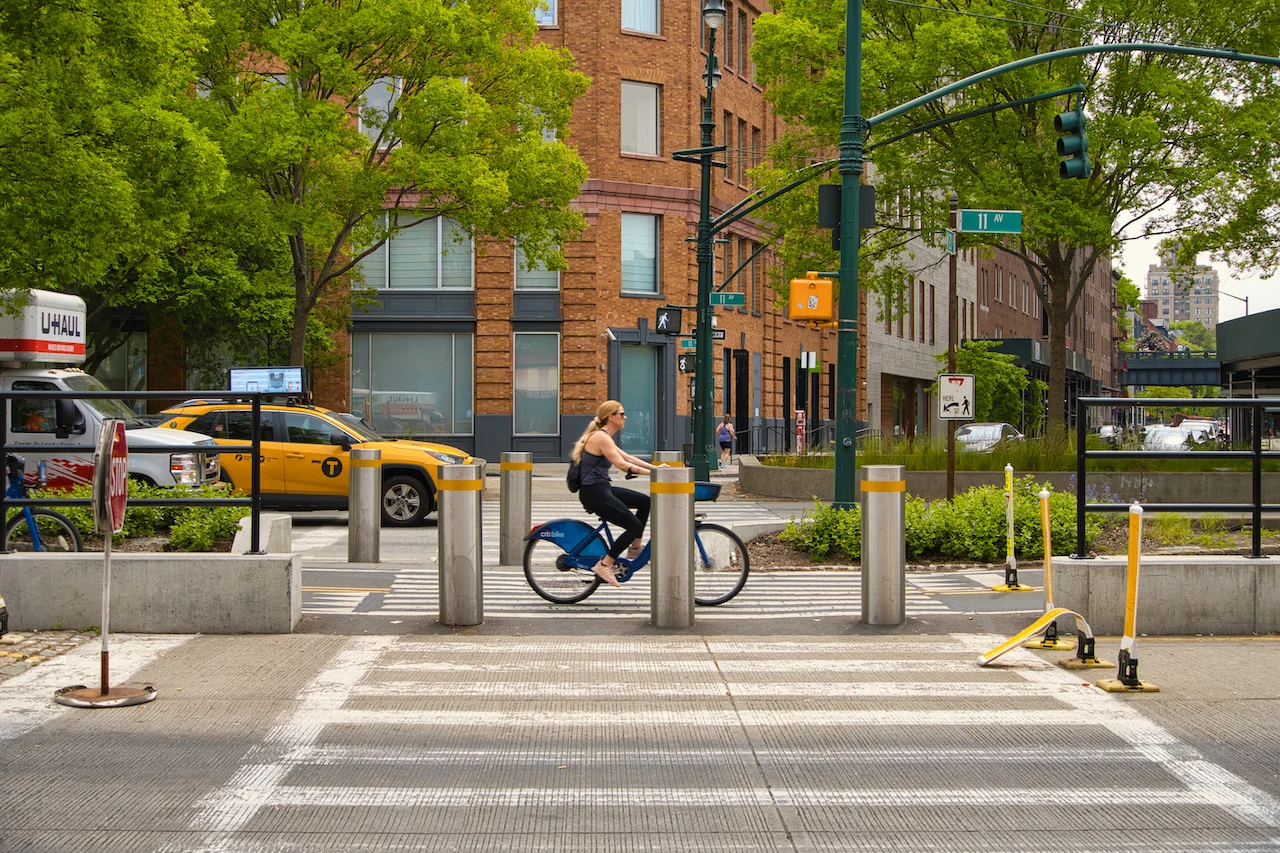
{"x": 301, "y": 311}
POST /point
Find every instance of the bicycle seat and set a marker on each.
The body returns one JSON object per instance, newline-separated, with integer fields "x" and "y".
{"x": 15, "y": 464}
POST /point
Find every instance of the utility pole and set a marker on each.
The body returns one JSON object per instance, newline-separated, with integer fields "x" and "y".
{"x": 952, "y": 339}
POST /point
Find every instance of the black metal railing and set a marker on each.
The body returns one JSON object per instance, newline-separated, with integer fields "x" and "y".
{"x": 1255, "y": 454}
{"x": 254, "y": 501}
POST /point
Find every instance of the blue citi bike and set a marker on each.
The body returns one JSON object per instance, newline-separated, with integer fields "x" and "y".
{"x": 35, "y": 528}
{"x": 560, "y": 554}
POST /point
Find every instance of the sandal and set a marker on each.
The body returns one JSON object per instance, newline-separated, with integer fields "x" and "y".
{"x": 605, "y": 573}
{"x": 634, "y": 549}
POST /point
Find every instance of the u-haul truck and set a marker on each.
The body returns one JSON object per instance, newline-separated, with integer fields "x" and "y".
{"x": 37, "y": 348}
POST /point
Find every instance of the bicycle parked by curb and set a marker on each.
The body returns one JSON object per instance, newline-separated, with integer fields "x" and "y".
{"x": 35, "y": 528}
{"x": 560, "y": 554}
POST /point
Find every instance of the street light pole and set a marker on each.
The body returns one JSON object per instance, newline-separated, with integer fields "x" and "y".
{"x": 1243, "y": 299}
{"x": 853, "y": 127}
{"x": 713, "y": 14}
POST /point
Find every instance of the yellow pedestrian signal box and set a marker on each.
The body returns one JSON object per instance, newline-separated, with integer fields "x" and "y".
{"x": 811, "y": 298}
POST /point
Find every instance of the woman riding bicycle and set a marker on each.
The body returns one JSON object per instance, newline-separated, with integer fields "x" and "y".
{"x": 596, "y": 451}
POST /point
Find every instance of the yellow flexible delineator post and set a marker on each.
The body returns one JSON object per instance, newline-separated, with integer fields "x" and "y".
{"x": 1050, "y": 639}
{"x": 1126, "y": 680}
{"x": 1035, "y": 629}
{"x": 1010, "y": 561}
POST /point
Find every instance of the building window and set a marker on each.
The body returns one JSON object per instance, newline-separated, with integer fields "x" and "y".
{"x": 395, "y": 395}
{"x": 999, "y": 285}
{"x": 545, "y": 14}
{"x": 535, "y": 405}
{"x": 744, "y": 57}
{"x": 640, "y": 16}
{"x": 435, "y": 253}
{"x": 728, "y": 35}
{"x": 538, "y": 278}
{"x": 982, "y": 293}
{"x": 640, "y": 118}
{"x": 742, "y": 151}
{"x": 640, "y": 240}
{"x": 933, "y": 315}
{"x": 376, "y": 106}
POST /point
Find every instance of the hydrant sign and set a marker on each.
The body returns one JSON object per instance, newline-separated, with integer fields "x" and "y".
{"x": 955, "y": 396}
{"x": 110, "y": 477}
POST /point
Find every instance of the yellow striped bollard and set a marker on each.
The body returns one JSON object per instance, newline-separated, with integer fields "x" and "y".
{"x": 1050, "y": 640}
{"x": 1010, "y": 561}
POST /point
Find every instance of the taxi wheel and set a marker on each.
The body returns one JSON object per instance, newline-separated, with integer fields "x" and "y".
{"x": 405, "y": 501}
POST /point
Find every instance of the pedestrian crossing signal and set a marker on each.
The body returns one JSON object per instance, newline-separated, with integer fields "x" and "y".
{"x": 685, "y": 363}
{"x": 667, "y": 322}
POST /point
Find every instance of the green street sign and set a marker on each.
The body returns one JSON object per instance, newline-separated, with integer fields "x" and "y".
{"x": 991, "y": 221}
{"x": 729, "y": 299}
{"x": 951, "y": 242}
{"x": 688, "y": 343}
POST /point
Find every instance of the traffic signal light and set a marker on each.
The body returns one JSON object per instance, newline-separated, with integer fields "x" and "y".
{"x": 1073, "y": 144}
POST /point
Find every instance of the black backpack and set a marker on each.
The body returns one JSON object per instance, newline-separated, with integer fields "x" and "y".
{"x": 574, "y": 478}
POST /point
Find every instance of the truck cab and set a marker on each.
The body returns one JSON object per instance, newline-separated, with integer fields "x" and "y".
{"x": 34, "y": 346}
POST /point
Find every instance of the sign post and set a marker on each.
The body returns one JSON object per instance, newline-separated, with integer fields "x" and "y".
{"x": 109, "y": 501}
{"x": 800, "y": 430}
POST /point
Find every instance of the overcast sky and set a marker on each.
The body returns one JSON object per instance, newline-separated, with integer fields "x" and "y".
{"x": 1263, "y": 294}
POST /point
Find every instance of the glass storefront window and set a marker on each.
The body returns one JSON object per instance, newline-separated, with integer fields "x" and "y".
{"x": 414, "y": 383}
{"x": 536, "y": 384}
{"x": 639, "y": 397}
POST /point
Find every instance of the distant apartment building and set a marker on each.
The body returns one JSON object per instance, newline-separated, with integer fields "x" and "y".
{"x": 1183, "y": 294}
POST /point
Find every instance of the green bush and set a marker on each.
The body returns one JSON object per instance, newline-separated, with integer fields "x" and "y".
{"x": 824, "y": 528}
{"x": 970, "y": 528}
{"x": 190, "y": 528}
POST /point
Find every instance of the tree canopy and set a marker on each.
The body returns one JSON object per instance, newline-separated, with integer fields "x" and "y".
{"x": 1191, "y": 144}
{"x": 331, "y": 113}
{"x": 103, "y": 171}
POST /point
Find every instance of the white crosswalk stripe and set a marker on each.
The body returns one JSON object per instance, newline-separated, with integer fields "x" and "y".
{"x": 909, "y": 739}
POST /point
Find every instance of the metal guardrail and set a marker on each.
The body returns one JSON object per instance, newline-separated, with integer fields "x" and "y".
{"x": 254, "y": 501}
{"x": 775, "y": 438}
{"x": 1255, "y": 454}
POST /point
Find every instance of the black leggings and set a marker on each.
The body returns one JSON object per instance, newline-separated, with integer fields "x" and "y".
{"x": 611, "y": 503}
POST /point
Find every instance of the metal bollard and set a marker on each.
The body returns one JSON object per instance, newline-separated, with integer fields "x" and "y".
{"x": 671, "y": 547}
{"x": 516, "y": 506}
{"x": 668, "y": 457}
{"x": 364, "y": 506}
{"x": 459, "y": 489}
{"x": 884, "y": 545}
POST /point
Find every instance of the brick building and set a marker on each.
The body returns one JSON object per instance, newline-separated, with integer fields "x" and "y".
{"x": 471, "y": 349}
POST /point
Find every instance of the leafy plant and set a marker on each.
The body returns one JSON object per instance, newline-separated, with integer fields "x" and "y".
{"x": 823, "y": 528}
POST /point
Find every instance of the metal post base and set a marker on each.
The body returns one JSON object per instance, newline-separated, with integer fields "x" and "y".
{"x": 1051, "y": 640}
{"x": 1011, "y": 582}
{"x": 1085, "y": 657}
{"x": 1126, "y": 680}
{"x": 79, "y": 696}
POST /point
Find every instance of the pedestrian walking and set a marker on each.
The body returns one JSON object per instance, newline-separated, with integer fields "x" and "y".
{"x": 726, "y": 435}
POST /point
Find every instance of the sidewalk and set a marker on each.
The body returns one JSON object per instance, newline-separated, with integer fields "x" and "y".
{"x": 631, "y": 738}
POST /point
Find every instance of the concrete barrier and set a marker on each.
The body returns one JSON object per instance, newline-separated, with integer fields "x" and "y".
{"x": 155, "y": 593}
{"x": 1176, "y": 595}
{"x": 275, "y": 534}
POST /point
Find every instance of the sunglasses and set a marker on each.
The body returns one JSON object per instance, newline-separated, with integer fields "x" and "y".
{"x": 623, "y": 414}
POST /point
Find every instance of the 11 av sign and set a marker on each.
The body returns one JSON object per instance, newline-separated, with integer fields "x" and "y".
{"x": 991, "y": 221}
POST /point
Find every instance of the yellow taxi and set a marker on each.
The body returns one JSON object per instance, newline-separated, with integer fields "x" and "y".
{"x": 306, "y": 451}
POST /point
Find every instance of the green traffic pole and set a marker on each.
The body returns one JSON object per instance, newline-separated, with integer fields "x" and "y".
{"x": 852, "y": 130}
{"x": 703, "y": 398}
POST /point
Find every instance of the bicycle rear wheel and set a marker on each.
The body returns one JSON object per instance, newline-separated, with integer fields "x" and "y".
{"x": 57, "y": 534}
{"x": 720, "y": 564}
{"x": 552, "y": 574}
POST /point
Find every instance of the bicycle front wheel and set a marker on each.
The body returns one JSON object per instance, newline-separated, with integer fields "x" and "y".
{"x": 552, "y": 574}
{"x": 56, "y": 533}
{"x": 720, "y": 564}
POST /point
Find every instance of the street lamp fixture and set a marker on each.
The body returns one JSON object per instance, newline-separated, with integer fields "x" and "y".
{"x": 713, "y": 13}
{"x": 1243, "y": 299}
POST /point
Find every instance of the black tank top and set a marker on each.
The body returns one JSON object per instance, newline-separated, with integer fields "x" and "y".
{"x": 595, "y": 469}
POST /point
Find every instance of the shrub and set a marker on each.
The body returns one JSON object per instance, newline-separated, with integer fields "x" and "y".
{"x": 971, "y": 528}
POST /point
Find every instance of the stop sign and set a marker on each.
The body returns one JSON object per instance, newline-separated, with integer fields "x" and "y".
{"x": 110, "y": 477}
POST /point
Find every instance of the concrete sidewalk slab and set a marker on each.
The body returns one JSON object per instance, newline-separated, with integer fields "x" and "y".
{"x": 674, "y": 741}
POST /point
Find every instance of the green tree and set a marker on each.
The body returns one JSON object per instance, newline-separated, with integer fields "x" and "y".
{"x": 458, "y": 102}
{"x": 1173, "y": 392}
{"x": 1191, "y": 144}
{"x": 1127, "y": 299}
{"x": 103, "y": 171}
{"x": 1002, "y": 391}
{"x": 1195, "y": 336}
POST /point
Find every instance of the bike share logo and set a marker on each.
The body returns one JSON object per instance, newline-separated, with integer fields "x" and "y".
{"x": 550, "y": 534}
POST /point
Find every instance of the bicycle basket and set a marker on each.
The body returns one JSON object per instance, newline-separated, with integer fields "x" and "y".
{"x": 706, "y": 491}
